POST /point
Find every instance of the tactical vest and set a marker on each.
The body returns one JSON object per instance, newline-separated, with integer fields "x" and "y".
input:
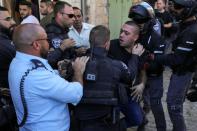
{"x": 100, "y": 90}
{"x": 99, "y": 86}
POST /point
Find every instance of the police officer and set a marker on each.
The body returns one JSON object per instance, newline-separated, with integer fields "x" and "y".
{"x": 182, "y": 61}
{"x": 60, "y": 44}
{"x": 143, "y": 15}
{"x": 7, "y": 50}
{"x": 7, "y": 53}
{"x": 97, "y": 110}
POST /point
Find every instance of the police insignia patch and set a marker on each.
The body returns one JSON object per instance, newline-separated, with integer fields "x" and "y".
{"x": 56, "y": 42}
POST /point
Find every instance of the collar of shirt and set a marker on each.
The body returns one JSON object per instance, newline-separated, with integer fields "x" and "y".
{"x": 30, "y": 19}
{"x": 99, "y": 51}
{"x": 84, "y": 27}
{"x": 27, "y": 58}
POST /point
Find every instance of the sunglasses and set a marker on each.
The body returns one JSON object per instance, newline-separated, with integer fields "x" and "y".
{"x": 7, "y": 19}
{"x": 69, "y": 15}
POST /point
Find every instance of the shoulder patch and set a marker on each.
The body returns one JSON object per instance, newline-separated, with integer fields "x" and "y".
{"x": 56, "y": 42}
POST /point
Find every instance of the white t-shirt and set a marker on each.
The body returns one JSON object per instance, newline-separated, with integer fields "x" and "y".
{"x": 30, "y": 19}
{"x": 81, "y": 39}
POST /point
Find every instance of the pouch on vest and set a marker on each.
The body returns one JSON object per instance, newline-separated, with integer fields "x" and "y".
{"x": 122, "y": 94}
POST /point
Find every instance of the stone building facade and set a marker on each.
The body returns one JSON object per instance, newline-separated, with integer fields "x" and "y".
{"x": 95, "y": 11}
{"x": 111, "y": 13}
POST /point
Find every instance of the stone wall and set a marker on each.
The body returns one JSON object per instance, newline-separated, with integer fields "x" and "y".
{"x": 96, "y": 11}
{"x": 74, "y": 2}
{"x": 1, "y": 2}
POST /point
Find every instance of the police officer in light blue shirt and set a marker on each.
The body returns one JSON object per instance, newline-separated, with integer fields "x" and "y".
{"x": 39, "y": 94}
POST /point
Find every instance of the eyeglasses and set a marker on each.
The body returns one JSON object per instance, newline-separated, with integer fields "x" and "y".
{"x": 7, "y": 19}
{"x": 69, "y": 15}
{"x": 47, "y": 39}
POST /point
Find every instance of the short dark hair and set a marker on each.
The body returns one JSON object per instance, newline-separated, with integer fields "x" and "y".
{"x": 59, "y": 6}
{"x": 45, "y": 1}
{"x": 133, "y": 23}
{"x": 164, "y": 1}
{"x": 48, "y": 2}
{"x": 28, "y": 4}
{"x": 76, "y": 8}
{"x": 3, "y": 8}
{"x": 99, "y": 35}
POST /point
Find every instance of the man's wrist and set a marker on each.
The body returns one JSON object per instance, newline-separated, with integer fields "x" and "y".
{"x": 78, "y": 77}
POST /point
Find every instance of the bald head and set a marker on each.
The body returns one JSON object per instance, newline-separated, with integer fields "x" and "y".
{"x": 31, "y": 39}
{"x": 25, "y": 34}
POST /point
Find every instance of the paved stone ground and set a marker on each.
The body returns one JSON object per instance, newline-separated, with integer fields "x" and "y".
{"x": 190, "y": 111}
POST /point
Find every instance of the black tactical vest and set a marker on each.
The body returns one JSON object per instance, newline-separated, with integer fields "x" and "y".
{"x": 100, "y": 90}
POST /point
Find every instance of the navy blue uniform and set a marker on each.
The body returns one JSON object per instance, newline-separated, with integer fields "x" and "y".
{"x": 153, "y": 92}
{"x": 183, "y": 64}
{"x": 93, "y": 116}
{"x": 7, "y": 53}
{"x": 132, "y": 111}
{"x": 56, "y": 35}
{"x": 184, "y": 48}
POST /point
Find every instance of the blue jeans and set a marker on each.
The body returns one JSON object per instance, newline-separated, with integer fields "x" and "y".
{"x": 175, "y": 99}
{"x": 152, "y": 97}
{"x": 133, "y": 113}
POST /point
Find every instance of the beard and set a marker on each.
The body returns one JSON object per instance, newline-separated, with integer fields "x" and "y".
{"x": 44, "y": 52}
{"x": 44, "y": 13}
{"x": 4, "y": 30}
{"x": 77, "y": 25}
{"x": 8, "y": 31}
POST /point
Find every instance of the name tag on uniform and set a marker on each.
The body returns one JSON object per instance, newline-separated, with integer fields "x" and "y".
{"x": 91, "y": 77}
